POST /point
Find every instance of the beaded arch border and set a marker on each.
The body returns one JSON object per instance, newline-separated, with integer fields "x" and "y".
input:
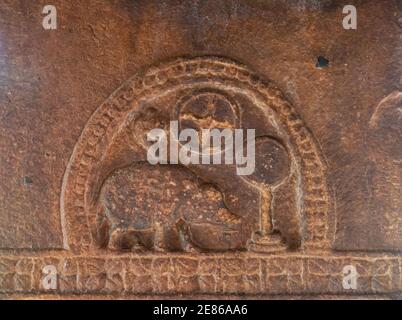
{"x": 103, "y": 124}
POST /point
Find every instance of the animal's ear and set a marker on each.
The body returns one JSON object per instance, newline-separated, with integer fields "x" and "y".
{"x": 272, "y": 161}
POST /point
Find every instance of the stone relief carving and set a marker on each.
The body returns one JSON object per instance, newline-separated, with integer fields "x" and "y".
{"x": 284, "y": 203}
{"x": 138, "y": 228}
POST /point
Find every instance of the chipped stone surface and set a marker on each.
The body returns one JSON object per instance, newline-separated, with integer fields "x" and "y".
{"x": 77, "y": 194}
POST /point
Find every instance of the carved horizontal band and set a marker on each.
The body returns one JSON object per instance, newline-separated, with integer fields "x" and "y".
{"x": 257, "y": 274}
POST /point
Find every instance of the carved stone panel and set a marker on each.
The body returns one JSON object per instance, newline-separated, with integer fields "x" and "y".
{"x": 113, "y": 198}
{"x": 323, "y": 202}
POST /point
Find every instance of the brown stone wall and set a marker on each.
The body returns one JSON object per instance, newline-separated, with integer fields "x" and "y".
{"x": 52, "y": 81}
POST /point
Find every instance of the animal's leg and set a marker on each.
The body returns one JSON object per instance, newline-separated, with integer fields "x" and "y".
{"x": 102, "y": 228}
{"x": 182, "y": 230}
{"x": 130, "y": 239}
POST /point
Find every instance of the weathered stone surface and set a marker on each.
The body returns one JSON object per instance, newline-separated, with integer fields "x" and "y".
{"x": 77, "y": 194}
